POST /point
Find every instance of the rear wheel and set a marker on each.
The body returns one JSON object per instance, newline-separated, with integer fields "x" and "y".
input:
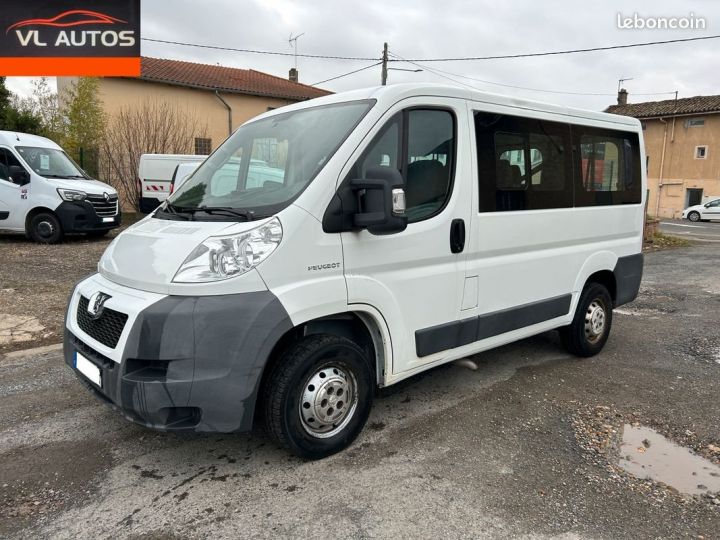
{"x": 318, "y": 397}
{"x": 45, "y": 228}
{"x": 590, "y": 328}
{"x": 694, "y": 216}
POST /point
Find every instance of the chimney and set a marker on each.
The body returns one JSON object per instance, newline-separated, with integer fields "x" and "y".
{"x": 622, "y": 96}
{"x": 293, "y": 75}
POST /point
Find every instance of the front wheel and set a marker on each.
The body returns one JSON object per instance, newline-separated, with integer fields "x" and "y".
{"x": 318, "y": 397}
{"x": 590, "y": 328}
{"x": 45, "y": 228}
{"x": 694, "y": 216}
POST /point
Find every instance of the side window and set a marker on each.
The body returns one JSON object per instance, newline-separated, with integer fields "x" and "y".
{"x": 523, "y": 164}
{"x": 608, "y": 167}
{"x": 7, "y": 160}
{"x": 420, "y": 143}
{"x": 713, "y": 204}
{"x": 429, "y": 162}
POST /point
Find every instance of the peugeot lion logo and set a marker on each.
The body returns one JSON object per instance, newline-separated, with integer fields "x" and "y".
{"x": 96, "y": 304}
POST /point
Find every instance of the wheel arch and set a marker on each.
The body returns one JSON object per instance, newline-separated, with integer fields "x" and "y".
{"x": 39, "y": 210}
{"x": 361, "y": 325}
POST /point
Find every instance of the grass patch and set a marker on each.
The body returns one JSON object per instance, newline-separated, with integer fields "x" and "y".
{"x": 667, "y": 241}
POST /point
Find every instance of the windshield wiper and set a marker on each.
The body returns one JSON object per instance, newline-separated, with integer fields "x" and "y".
{"x": 227, "y": 210}
{"x": 178, "y": 211}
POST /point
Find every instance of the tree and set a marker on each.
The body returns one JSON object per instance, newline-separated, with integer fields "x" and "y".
{"x": 152, "y": 127}
{"x": 46, "y": 105}
{"x": 84, "y": 123}
{"x": 17, "y": 114}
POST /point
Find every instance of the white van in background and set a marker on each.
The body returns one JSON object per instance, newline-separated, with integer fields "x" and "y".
{"x": 182, "y": 173}
{"x": 45, "y": 194}
{"x": 352, "y": 241}
{"x": 155, "y": 173}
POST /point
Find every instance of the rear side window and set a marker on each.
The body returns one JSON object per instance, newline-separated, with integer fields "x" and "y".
{"x": 420, "y": 144}
{"x": 608, "y": 165}
{"x": 524, "y": 164}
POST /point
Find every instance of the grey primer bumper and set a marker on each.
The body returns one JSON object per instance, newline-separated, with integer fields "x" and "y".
{"x": 191, "y": 363}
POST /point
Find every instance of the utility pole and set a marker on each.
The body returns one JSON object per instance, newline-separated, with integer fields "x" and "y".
{"x": 383, "y": 74}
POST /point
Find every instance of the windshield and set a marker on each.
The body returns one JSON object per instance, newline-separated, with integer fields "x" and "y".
{"x": 50, "y": 163}
{"x": 266, "y": 164}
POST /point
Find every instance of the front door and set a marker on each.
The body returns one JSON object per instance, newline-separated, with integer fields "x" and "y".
{"x": 14, "y": 198}
{"x": 415, "y": 278}
{"x": 712, "y": 210}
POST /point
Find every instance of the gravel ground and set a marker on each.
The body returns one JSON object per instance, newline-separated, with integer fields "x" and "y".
{"x": 35, "y": 282}
{"x": 526, "y": 446}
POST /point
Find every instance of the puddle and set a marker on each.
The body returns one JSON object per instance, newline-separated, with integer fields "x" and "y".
{"x": 645, "y": 453}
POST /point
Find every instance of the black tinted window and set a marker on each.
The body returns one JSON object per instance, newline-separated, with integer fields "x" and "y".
{"x": 523, "y": 164}
{"x": 7, "y": 160}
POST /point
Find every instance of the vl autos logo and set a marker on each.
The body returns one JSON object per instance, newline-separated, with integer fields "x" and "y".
{"x": 70, "y": 37}
{"x": 73, "y": 38}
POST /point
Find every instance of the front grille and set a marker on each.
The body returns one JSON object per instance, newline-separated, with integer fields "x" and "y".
{"x": 102, "y": 207}
{"x": 106, "y": 329}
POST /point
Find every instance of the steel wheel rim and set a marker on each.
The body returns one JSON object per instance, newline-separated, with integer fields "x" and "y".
{"x": 328, "y": 401}
{"x": 45, "y": 229}
{"x": 595, "y": 321}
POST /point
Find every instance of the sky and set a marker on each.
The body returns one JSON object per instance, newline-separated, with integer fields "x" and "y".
{"x": 451, "y": 28}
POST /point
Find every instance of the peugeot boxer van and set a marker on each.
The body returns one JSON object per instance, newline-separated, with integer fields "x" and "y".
{"x": 402, "y": 227}
{"x": 45, "y": 194}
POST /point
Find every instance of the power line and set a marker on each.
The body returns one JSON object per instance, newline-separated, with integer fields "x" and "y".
{"x": 438, "y": 71}
{"x": 348, "y": 73}
{"x": 570, "y": 51}
{"x": 256, "y": 51}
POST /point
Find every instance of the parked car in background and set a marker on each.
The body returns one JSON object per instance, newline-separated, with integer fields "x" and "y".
{"x": 703, "y": 212}
{"x": 182, "y": 172}
{"x": 45, "y": 194}
{"x": 155, "y": 173}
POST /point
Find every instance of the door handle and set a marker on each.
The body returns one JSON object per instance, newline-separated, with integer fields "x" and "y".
{"x": 457, "y": 235}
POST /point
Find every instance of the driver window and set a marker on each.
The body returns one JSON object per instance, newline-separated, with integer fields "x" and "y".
{"x": 7, "y": 160}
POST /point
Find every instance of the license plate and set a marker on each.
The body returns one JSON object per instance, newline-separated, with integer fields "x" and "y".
{"x": 108, "y": 219}
{"x": 87, "y": 368}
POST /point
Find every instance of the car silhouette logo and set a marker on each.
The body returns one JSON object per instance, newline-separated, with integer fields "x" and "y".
{"x": 75, "y": 17}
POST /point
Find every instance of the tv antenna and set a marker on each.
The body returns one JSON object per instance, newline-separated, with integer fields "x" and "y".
{"x": 293, "y": 43}
{"x": 622, "y": 80}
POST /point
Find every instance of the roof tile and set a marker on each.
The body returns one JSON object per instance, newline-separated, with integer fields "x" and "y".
{"x": 668, "y": 107}
{"x": 226, "y": 79}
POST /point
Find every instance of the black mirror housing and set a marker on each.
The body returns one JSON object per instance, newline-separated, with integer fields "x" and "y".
{"x": 19, "y": 175}
{"x": 375, "y": 195}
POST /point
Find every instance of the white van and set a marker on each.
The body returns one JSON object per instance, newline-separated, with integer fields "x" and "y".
{"x": 182, "y": 173}
{"x": 45, "y": 194}
{"x": 155, "y": 173}
{"x": 403, "y": 227}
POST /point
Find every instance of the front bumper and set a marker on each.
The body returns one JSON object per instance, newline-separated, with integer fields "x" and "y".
{"x": 80, "y": 217}
{"x": 189, "y": 363}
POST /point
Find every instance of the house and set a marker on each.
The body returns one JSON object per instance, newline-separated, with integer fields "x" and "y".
{"x": 222, "y": 97}
{"x": 682, "y": 146}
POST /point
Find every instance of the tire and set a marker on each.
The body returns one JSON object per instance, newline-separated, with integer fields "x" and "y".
{"x": 310, "y": 379}
{"x": 590, "y": 328}
{"x": 45, "y": 228}
{"x": 694, "y": 216}
{"x": 98, "y": 234}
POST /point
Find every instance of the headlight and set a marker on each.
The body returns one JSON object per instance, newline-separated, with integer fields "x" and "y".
{"x": 223, "y": 257}
{"x": 71, "y": 194}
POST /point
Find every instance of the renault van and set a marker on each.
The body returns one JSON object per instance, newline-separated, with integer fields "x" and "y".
{"x": 45, "y": 194}
{"x": 403, "y": 227}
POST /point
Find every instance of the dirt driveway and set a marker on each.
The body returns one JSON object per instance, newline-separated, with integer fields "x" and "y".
{"x": 36, "y": 281}
{"x": 528, "y": 445}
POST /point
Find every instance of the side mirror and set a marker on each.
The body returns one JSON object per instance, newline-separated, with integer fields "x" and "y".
{"x": 19, "y": 175}
{"x": 380, "y": 201}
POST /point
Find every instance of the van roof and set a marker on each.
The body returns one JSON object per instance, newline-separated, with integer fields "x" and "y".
{"x": 387, "y": 95}
{"x": 16, "y": 138}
